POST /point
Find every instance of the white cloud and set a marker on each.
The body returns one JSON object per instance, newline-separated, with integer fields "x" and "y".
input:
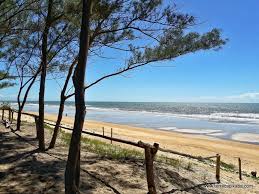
{"x": 246, "y": 96}
{"x": 243, "y": 97}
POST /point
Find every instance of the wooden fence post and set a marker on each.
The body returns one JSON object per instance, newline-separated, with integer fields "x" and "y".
{"x": 240, "y": 172}
{"x": 111, "y": 135}
{"x": 103, "y": 131}
{"x": 218, "y": 168}
{"x": 150, "y": 153}
{"x": 9, "y": 114}
{"x": 12, "y": 116}
{"x": 3, "y": 114}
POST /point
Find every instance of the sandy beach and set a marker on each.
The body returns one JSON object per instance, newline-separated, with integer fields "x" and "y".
{"x": 198, "y": 145}
{"x": 22, "y": 166}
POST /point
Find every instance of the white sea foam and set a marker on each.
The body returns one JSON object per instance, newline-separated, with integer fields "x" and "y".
{"x": 168, "y": 128}
{"x": 248, "y": 137}
{"x": 219, "y": 117}
{"x": 213, "y": 132}
{"x": 217, "y": 134}
{"x": 227, "y": 117}
{"x": 239, "y": 118}
{"x": 198, "y": 131}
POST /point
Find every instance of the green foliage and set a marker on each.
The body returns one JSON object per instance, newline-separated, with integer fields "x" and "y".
{"x": 4, "y": 80}
{"x": 147, "y": 30}
{"x": 165, "y": 32}
{"x": 5, "y": 105}
{"x": 22, "y": 39}
{"x": 175, "y": 43}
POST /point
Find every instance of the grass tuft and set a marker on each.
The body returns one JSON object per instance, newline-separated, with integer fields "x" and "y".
{"x": 170, "y": 161}
{"x": 227, "y": 166}
{"x": 105, "y": 149}
{"x": 189, "y": 166}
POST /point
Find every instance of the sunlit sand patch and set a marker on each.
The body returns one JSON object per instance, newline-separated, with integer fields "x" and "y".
{"x": 5, "y": 167}
{"x": 248, "y": 137}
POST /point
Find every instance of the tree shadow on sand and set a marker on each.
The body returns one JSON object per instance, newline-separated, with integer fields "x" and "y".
{"x": 182, "y": 184}
{"x": 30, "y": 171}
{"x": 33, "y": 176}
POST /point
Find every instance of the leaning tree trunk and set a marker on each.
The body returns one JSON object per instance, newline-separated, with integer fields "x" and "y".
{"x": 19, "y": 116}
{"x": 41, "y": 137}
{"x": 61, "y": 106}
{"x": 21, "y": 105}
{"x": 59, "y": 119}
{"x": 72, "y": 173}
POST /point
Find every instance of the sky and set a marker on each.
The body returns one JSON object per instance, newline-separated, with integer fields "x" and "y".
{"x": 227, "y": 75}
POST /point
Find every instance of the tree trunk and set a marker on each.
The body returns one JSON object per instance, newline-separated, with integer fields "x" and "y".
{"x": 19, "y": 115}
{"x": 61, "y": 106}
{"x": 43, "y": 77}
{"x": 56, "y": 129}
{"x": 72, "y": 173}
{"x": 21, "y": 106}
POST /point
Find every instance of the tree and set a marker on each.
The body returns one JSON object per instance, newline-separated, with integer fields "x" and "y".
{"x": 5, "y": 80}
{"x": 23, "y": 69}
{"x": 121, "y": 25}
{"x": 57, "y": 22}
{"x": 72, "y": 173}
{"x": 11, "y": 14}
{"x": 44, "y": 64}
{"x": 61, "y": 105}
{"x": 44, "y": 43}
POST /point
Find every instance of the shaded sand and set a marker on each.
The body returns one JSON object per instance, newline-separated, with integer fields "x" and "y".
{"x": 24, "y": 170}
{"x": 199, "y": 145}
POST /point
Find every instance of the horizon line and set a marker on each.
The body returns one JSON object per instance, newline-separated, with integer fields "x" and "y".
{"x": 205, "y": 102}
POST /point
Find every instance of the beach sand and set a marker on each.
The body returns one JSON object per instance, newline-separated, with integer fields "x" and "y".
{"x": 25, "y": 170}
{"x": 198, "y": 145}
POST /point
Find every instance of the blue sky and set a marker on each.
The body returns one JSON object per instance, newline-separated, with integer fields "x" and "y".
{"x": 228, "y": 75}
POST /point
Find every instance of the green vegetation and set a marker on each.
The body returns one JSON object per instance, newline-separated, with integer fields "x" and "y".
{"x": 227, "y": 166}
{"x": 113, "y": 151}
{"x": 46, "y": 126}
{"x": 177, "y": 163}
{"x": 5, "y": 80}
{"x": 105, "y": 149}
{"x": 189, "y": 166}
{"x": 5, "y": 105}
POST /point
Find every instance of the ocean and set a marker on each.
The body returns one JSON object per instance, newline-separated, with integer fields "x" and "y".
{"x": 234, "y": 121}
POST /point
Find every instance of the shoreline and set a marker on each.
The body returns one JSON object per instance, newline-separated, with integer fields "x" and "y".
{"x": 197, "y": 145}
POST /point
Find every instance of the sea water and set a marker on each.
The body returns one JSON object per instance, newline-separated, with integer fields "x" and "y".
{"x": 221, "y": 120}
